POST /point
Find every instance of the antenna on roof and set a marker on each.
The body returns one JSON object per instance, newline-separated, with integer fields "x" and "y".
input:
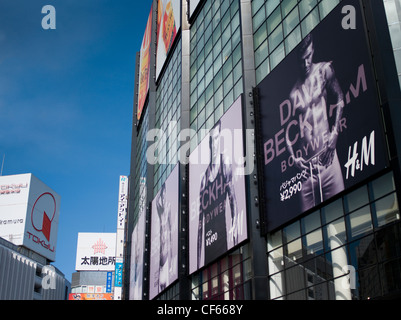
{"x": 2, "y": 165}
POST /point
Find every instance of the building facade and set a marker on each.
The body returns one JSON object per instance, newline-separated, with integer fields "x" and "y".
{"x": 25, "y": 275}
{"x": 265, "y": 160}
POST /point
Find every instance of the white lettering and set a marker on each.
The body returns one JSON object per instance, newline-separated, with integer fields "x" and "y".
{"x": 49, "y": 21}
{"x": 349, "y": 21}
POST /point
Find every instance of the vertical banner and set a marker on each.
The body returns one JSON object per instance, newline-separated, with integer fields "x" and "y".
{"x": 168, "y": 25}
{"x": 137, "y": 246}
{"x": 109, "y": 281}
{"x": 164, "y": 236}
{"x": 217, "y": 197}
{"x": 319, "y": 118}
{"x": 120, "y": 235}
{"x": 144, "y": 66}
{"x": 118, "y": 281}
{"x": 122, "y": 202}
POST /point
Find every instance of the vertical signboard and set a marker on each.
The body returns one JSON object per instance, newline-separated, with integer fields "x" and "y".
{"x": 118, "y": 281}
{"x": 144, "y": 66}
{"x": 164, "y": 236}
{"x": 122, "y": 202}
{"x": 137, "y": 246}
{"x": 109, "y": 281}
{"x": 217, "y": 197}
{"x": 320, "y": 121}
{"x": 120, "y": 236}
{"x": 168, "y": 25}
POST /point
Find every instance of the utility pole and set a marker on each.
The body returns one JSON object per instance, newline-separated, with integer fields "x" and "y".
{"x": 2, "y": 165}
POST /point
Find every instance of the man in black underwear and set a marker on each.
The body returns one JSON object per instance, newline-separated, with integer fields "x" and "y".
{"x": 217, "y": 187}
{"x": 317, "y": 97}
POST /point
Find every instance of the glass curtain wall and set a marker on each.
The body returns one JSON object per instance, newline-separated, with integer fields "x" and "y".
{"x": 279, "y": 25}
{"x": 216, "y": 81}
{"x": 215, "y": 64}
{"x": 168, "y": 118}
{"x": 349, "y": 249}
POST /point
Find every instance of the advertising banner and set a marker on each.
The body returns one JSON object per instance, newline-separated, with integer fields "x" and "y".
{"x": 29, "y": 213}
{"x": 137, "y": 247}
{"x": 96, "y": 252}
{"x": 144, "y": 66}
{"x": 164, "y": 236}
{"x": 217, "y": 195}
{"x": 319, "y": 118}
{"x": 168, "y": 25}
{"x": 90, "y": 296}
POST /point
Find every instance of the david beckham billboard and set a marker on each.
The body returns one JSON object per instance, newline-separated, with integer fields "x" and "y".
{"x": 138, "y": 246}
{"x": 319, "y": 119}
{"x": 217, "y": 194}
{"x": 164, "y": 235}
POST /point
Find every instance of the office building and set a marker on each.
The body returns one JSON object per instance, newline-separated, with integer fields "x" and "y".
{"x": 265, "y": 151}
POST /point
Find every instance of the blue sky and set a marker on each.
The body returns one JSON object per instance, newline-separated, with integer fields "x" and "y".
{"x": 66, "y": 105}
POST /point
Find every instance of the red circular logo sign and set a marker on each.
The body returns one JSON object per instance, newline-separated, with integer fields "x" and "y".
{"x": 43, "y": 213}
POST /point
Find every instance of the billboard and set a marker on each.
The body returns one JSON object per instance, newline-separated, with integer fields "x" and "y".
{"x": 168, "y": 25}
{"x": 217, "y": 197}
{"x": 90, "y": 296}
{"x": 96, "y": 252}
{"x": 319, "y": 119}
{"x": 137, "y": 246}
{"x": 144, "y": 66}
{"x": 29, "y": 213}
{"x": 164, "y": 235}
